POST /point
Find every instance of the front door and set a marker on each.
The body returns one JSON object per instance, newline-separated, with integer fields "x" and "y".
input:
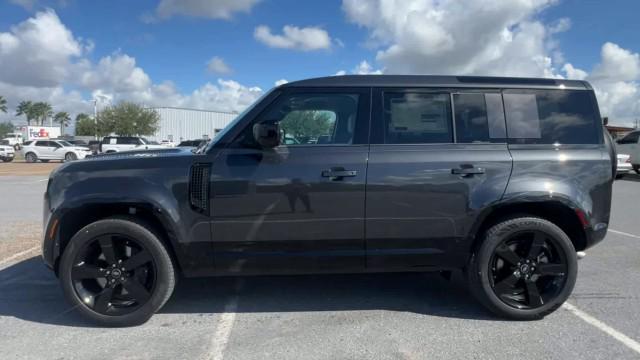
{"x": 437, "y": 157}
{"x": 298, "y": 206}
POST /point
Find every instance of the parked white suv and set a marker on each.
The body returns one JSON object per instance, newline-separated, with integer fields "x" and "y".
{"x": 7, "y": 153}
{"x": 630, "y": 144}
{"x": 45, "y": 150}
{"x": 111, "y": 144}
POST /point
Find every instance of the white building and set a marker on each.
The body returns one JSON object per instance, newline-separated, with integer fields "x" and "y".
{"x": 178, "y": 124}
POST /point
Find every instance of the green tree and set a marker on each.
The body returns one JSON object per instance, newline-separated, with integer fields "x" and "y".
{"x": 42, "y": 111}
{"x": 128, "y": 119}
{"x": 85, "y": 126}
{"x": 5, "y": 128}
{"x": 63, "y": 119}
{"x": 26, "y": 108}
{"x": 307, "y": 125}
{"x": 3, "y": 104}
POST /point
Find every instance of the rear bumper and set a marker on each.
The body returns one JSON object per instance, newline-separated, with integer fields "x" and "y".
{"x": 594, "y": 236}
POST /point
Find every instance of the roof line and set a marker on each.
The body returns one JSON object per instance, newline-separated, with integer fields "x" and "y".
{"x": 192, "y": 109}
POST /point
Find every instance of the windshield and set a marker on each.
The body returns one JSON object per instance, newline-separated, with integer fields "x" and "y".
{"x": 233, "y": 122}
{"x": 65, "y": 143}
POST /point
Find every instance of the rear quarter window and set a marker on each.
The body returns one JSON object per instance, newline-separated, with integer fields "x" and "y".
{"x": 551, "y": 117}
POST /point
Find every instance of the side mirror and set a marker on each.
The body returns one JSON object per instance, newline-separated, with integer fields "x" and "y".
{"x": 267, "y": 134}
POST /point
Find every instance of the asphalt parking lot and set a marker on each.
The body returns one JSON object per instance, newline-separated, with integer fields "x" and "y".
{"x": 390, "y": 316}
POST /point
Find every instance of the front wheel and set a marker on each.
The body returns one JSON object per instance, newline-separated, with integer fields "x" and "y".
{"x": 70, "y": 157}
{"x": 117, "y": 272}
{"x": 524, "y": 269}
{"x": 7, "y": 160}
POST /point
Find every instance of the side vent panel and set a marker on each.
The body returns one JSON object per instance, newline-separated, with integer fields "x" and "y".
{"x": 199, "y": 187}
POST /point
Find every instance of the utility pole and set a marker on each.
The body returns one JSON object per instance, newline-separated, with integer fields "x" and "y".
{"x": 95, "y": 116}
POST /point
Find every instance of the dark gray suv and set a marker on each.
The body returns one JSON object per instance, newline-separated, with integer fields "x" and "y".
{"x": 504, "y": 178}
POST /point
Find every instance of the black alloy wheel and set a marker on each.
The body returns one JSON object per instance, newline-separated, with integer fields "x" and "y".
{"x": 117, "y": 271}
{"x": 527, "y": 270}
{"x": 524, "y": 269}
{"x": 113, "y": 274}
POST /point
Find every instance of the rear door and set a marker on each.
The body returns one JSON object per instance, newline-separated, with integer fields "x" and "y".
{"x": 44, "y": 149}
{"x": 437, "y": 157}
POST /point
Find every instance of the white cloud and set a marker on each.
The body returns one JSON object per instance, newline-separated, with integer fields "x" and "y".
{"x": 212, "y": 9}
{"x": 451, "y": 37}
{"x": 616, "y": 82}
{"x": 365, "y": 69}
{"x": 281, "y": 82}
{"x": 293, "y": 37}
{"x": 43, "y": 61}
{"x": 217, "y": 66}
{"x": 40, "y": 51}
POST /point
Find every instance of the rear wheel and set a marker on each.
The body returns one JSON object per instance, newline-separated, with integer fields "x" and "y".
{"x": 7, "y": 160}
{"x": 524, "y": 269}
{"x": 116, "y": 272}
{"x": 31, "y": 157}
{"x": 636, "y": 168}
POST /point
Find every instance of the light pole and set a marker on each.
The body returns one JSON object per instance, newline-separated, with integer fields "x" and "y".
{"x": 95, "y": 117}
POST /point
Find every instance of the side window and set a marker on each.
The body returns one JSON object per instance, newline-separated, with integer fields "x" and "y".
{"x": 551, "y": 116}
{"x": 631, "y": 138}
{"x": 42, "y": 143}
{"x": 479, "y": 117}
{"x": 310, "y": 119}
{"x": 417, "y": 118}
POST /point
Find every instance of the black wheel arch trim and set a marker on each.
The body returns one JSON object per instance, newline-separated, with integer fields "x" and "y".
{"x": 55, "y": 241}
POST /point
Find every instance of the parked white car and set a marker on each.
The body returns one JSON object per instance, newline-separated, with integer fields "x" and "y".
{"x": 630, "y": 144}
{"x": 624, "y": 165}
{"x": 7, "y": 153}
{"x": 111, "y": 144}
{"x": 45, "y": 150}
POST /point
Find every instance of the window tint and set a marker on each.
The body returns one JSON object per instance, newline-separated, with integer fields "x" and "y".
{"x": 309, "y": 119}
{"x": 551, "y": 116}
{"x": 631, "y": 138}
{"x": 42, "y": 143}
{"x": 417, "y": 118}
{"x": 479, "y": 118}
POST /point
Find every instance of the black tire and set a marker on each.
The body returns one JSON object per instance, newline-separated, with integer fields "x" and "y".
{"x": 30, "y": 157}
{"x": 123, "y": 308}
{"x": 44, "y": 160}
{"x": 7, "y": 160}
{"x": 636, "y": 168}
{"x": 502, "y": 287}
{"x": 70, "y": 157}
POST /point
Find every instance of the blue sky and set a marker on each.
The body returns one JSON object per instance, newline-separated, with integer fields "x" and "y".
{"x": 564, "y": 38}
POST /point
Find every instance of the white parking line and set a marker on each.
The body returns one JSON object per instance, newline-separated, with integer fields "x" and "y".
{"x": 624, "y": 233}
{"x": 624, "y": 339}
{"x": 4, "y": 263}
{"x": 225, "y": 325}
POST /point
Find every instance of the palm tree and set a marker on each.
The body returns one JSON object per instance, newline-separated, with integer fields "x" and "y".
{"x": 63, "y": 119}
{"x": 26, "y": 108}
{"x": 43, "y": 110}
{"x": 3, "y": 104}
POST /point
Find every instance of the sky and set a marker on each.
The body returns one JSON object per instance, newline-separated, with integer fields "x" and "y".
{"x": 223, "y": 54}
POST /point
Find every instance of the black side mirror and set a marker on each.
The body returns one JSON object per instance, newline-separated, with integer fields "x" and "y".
{"x": 267, "y": 135}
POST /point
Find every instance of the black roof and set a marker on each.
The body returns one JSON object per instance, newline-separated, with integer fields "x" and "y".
{"x": 437, "y": 81}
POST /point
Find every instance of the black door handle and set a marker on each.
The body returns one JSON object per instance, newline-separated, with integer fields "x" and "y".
{"x": 467, "y": 170}
{"x": 338, "y": 173}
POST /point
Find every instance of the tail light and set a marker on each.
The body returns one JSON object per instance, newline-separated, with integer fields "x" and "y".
{"x": 628, "y": 160}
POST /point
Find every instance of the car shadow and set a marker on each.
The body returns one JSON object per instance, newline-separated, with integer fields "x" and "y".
{"x": 630, "y": 177}
{"x": 31, "y": 292}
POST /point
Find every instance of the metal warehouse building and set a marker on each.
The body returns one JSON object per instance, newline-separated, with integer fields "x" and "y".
{"x": 177, "y": 124}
